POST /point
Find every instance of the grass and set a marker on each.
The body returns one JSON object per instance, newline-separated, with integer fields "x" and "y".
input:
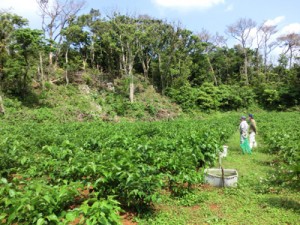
{"x": 81, "y": 103}
{"x": 255, "y": 201}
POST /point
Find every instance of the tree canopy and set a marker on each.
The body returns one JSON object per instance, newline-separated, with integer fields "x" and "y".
{"x": 196, "y": 68}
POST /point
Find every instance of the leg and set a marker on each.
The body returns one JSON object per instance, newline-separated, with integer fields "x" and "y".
{"x": 252, "y": 139}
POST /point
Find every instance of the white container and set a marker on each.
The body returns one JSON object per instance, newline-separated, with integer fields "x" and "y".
{"x": 214, "y": 177}
{"x": 224, "y": 152}
{"x": 225, "y": 148}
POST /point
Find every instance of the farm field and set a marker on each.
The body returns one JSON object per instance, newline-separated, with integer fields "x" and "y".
{"x": 256, "y": 200}
{"x": 147, "y": 172}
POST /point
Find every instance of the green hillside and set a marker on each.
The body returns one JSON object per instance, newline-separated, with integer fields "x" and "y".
{"x": 79, "y": 102}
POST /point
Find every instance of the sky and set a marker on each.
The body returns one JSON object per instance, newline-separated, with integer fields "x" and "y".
{"x": 195, "y": 15}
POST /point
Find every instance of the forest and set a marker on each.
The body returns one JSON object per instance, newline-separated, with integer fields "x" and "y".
{"x": 197, "y": 71}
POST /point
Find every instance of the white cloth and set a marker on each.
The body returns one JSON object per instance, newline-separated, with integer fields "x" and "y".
{"x": 244, "y": 130}
{"x": 252, "y": 141}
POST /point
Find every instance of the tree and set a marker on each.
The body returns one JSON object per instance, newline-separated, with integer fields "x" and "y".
{"x": 264, "y": 35}
{"x": 182, "y": 61}
{"x": 8, "y": 24}
{"x": 172, "y": 55}
{"x": 291, "y": 43}
{"x": 147, "y": 33}
{"x": 55, "y": 16}
{"x": 241, "y": 31}
{"x": 25, "y": 46}
{"x": 104, "y": 53}
{"x": 161, "y": 39}
{"x": 211, "y": 43}
{"x": 76, "y": 37}
{"x": 123, "y": 40}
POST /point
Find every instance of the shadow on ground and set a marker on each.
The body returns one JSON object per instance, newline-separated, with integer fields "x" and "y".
{"x": 285, "y": 203}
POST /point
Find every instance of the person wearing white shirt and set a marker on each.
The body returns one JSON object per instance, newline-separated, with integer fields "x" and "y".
{"x": 243, "y": 129}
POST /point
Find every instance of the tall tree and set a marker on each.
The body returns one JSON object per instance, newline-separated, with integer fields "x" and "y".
{"x": 147, "y": 34}
{"x": 209, "y": 47}
{"x": 103, "y": 45}
{"x": 125, "y": 38}
{"x": 241, "y": 31}
{"x": 25, "y": 53}
{"x": 9, "y": 23}
{"x": 55, "y": 16}
{"x": 291, "y": 43}
{"x": 172, "y": 54}
{"x": 264, "y": 37}
{"x": 182, "y": 61}
{"x": 76, "y": 37}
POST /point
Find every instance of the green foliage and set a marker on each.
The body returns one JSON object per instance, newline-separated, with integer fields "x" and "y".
{"x": 209, "y": 97}
{"x": 30, "y": 202}
{"x": 281, "y": 135}
{"x": 278, "y": 96}
{"x": 185, "y": 96}
{"x": 56, "y": 173}
{"x": 124, "y": 49}
{"x": 271, "y": 97}
{"x": 24, "y": 50}
{"x": 96, "y": 211}
{"x": 46, "y": 169}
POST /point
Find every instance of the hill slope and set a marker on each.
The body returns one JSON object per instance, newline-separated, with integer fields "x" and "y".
{"x": 81, "y": 103}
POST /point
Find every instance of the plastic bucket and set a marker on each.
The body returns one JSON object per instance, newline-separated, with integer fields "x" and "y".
{"x": 215, "y": 177}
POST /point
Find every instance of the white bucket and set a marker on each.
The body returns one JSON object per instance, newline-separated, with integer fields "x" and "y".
{"x": 215, "y": 178}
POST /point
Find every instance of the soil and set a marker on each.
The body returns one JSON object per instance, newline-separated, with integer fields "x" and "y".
{"x": 214, "y": 207}
{"x": 127, "y": 219}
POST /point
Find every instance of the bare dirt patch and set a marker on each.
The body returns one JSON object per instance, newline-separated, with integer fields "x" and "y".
{"x": 127, "y": 219}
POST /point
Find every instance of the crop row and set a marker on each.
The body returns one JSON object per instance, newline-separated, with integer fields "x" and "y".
{"x": 281, "y": 134}
{"x": 55, "y": 173}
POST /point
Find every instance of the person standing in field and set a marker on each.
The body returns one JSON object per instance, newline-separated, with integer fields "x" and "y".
{"x": 243, "y": 129}
{"x": 252, "y": 132}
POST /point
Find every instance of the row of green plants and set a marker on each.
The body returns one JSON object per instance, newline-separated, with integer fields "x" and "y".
{"x": 281, "y": 133}
{"x": 56, "y": 173}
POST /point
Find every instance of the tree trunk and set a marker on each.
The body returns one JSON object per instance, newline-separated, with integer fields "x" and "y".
{"x": 290, "y": 58}
{"x": 25, "y": 77}
{"x": 84, "y": 63}
{"x": 131, "y": 92}
{"x": 131, "y": 86}
{"x": 145, "y": 69}
{"x": 2, "y": 110}
{"x": 212, "y": 71}
{"x": 146, "y": 66}
{"x": 41, "y": 70}
{"x": 93, "y": 50}
{"x": 50, "y": 58}
{"x": 67, "y": 65}
{"x": 160, "y": 73}
{"x": 246, "y": 67}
